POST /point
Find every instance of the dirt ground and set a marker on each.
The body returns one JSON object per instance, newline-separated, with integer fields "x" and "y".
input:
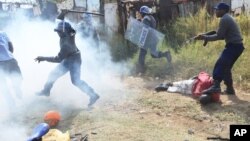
{"x": 140, "y": 114}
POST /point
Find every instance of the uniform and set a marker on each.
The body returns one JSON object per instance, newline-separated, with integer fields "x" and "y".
{"x": 149, "y": 20}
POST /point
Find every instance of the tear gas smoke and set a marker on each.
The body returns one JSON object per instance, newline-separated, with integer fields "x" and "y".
{"x": 32, "y": 38}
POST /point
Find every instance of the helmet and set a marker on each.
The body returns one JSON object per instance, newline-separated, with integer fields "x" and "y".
{"x": 63, "y": 26}
{"x": 52, "y": 118}
{"x": 145, "y": 10}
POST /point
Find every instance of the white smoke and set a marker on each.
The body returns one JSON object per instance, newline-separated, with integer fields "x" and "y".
{"x": 32, "y": 38}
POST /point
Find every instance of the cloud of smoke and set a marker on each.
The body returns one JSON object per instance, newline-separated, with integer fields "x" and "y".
{"x": 32, "y": 38}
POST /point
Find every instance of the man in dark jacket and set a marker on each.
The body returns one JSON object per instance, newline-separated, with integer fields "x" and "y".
{"x": 230, "y": 32}
{"x": 69, "y": 59}
{"x": 149, "y": 20}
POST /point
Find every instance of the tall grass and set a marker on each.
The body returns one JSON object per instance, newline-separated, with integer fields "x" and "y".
{"x": 189, "y": 59}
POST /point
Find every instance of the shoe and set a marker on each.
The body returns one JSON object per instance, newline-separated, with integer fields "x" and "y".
{"x": 168, "y": 56}
{"x": 92, "y": 100}
{"x": 161, "y": 87}
{"x": 229, "y": 91}
{"x": 43, "y": 93}
{"x": 215, "y": 88}
{"x": 169, "y": 84}
{"x": 212, "y": 89}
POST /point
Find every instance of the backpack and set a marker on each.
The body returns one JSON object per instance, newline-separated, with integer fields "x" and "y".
{"x": 203, "y": 82}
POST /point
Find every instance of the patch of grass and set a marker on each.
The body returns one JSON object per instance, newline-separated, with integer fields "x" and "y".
{"x": 115, "y": 125}
{"x": 237, "y": 117}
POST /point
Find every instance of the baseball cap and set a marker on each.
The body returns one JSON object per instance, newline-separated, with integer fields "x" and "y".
{"x": 222, "y": 6}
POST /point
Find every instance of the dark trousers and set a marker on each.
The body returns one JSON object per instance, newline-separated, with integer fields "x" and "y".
{"x": 223, "y": 66}
{"x": 73, "y": 65}
{"x": 143, "y": 53}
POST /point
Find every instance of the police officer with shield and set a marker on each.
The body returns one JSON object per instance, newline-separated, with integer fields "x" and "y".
{"x": 149, "y": 20}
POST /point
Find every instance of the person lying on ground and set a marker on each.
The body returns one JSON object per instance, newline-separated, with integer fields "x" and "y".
{"x": 193, "y": 87}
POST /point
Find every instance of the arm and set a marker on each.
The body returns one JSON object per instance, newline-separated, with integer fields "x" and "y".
{"x": 11, "y": 49}
{"x": 219, "y": 35}
{"x": 61, "y": 16}
{"x": 203, "y": 35}
{"x": 48, "y": 59}
{"x": 57, "y": 59}
{"x": 221, "y": 32}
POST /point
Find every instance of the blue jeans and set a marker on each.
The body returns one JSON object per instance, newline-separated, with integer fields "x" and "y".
{"x": 73, "y": 65}
{"x": 223, "y": 66}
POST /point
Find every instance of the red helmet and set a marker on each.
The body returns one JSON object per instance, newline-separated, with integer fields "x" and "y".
{"x": 52, "y": 118}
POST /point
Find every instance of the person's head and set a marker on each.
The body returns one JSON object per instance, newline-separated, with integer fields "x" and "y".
{"x": 221, "y": 9}
{"x": 64, "y": 28}
{"x": 87, "y": 18}
{"x": 145, "y": 10}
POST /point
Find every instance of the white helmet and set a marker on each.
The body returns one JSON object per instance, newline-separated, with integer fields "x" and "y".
{"x": 145, "y": 10}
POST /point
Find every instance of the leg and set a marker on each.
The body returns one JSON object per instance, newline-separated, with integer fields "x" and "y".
{"x": 15, "y": 76}
{"x": 141, "y": 60}
{"x": 233, "y": 54}
{"x": 16, "y": 80}
{"x": 183, "y": 87}
{"x": 159, "y": 54}
{"x": 59, "y": 71}
{"x": 218, "y": 74}
{"x": 5, "y": 91}
{"x": 75, "y": 74}
{"x": 222, "y": 69}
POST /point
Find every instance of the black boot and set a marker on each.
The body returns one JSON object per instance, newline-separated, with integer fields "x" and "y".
{"x": 229, "y": 88}
{"x": 215, "y": 88}
{"x": 229, "y": 91}
{"x": 168, "y": 56}
{"x": 163, "y": 87}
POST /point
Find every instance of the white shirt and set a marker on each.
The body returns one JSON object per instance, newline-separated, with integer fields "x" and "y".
{"x": 5, "y": 53}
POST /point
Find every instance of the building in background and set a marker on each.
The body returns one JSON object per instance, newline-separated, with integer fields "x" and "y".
{"x": 167, "y": 10}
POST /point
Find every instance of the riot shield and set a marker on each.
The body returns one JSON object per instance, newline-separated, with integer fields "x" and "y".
{"x": 142, "y": 35}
